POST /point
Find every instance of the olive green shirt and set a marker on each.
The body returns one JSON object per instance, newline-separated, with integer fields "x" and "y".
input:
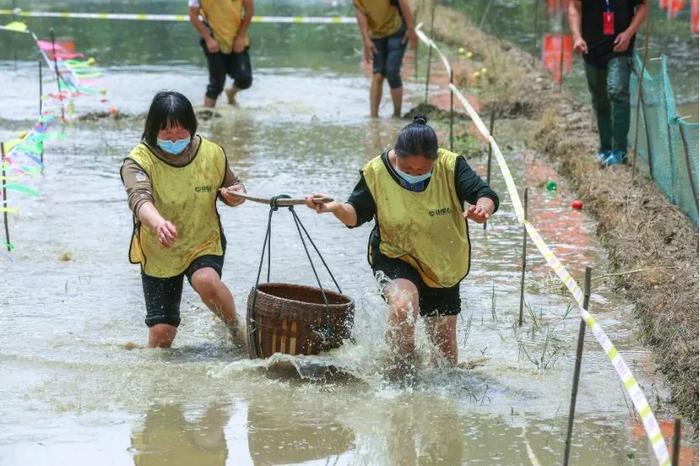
{"x": 383, "y": 18}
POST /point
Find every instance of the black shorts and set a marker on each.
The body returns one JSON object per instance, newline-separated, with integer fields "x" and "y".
{"x": 431, "y": 301}
{"x": 163, "y": 294}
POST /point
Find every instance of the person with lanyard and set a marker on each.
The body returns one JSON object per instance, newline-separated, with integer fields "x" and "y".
{"x": 223, "y": 28}
{"x": 419, "y": 249}
{"x": 386, "y": 26}
{"x": 173, "y": 178}
{"x": 604, "y": 33}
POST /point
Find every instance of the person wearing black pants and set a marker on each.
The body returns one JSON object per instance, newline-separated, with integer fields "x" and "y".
{"x": 223, "y": 28}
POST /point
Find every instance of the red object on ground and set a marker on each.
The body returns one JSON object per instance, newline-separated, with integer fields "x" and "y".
{"x": 558, "y": 54}
{"x": 554, "y": 6}
{"x": 694, "y": 16}
{"x": 672, "y": 6}
{"x": 577, "y": 204}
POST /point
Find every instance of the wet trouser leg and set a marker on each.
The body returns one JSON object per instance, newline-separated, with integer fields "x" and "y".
{"x": 395, "y": 49}
{"x": 240, "y": 70}
{"x": 597, "y": 85}
{"x": 618, "y": 84}
{"x": 217, "y": 64}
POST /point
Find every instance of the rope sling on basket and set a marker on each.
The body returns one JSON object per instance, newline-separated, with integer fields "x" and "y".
{"x": 289, "y": 318}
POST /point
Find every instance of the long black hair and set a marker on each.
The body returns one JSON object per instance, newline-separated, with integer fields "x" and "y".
{"x": 417, "y": 138}
{"x": 169, "y": 108}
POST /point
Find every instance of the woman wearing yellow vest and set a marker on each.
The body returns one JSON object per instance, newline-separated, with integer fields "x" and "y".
{"x": 173, "y": 179}
{"x": 386, "y": 26}
{"x": 223, "y": 28}
{"x": 419, "y": 248}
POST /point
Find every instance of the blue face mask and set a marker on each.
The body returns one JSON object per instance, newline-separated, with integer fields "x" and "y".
{"x": 413, "y": 179}
{"x": 173, "y": 147}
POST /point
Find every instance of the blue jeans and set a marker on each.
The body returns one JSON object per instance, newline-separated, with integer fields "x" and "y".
{"x": 610, "y": 94}
{"x": 387, "y": 60}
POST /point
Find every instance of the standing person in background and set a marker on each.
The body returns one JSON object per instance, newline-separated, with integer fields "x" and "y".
{"x": 604, "y": 32}
{"x": 224, "y": 33}
{"x": 386, "y": 27}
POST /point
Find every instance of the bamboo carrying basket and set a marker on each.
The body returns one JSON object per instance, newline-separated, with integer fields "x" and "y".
{"x": 293, "y": 319}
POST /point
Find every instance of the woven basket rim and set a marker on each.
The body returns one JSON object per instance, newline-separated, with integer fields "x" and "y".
{"x": 295, "y": 285}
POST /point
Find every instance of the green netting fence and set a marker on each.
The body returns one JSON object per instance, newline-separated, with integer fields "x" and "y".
{"x": 667, "y": 146}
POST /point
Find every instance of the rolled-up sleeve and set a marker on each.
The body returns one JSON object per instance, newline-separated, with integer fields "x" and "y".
{"x": 470, "y": 187}
{"x": 138, "y": 185}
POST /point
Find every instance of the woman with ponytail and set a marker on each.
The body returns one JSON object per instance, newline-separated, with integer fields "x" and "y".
{"x": 419, "y": 249}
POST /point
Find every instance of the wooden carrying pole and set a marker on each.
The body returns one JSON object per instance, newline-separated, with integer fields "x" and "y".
{"x": 281, "y": 202}
{"x": 523, "y": 264}
{"x": 577, "y": 368}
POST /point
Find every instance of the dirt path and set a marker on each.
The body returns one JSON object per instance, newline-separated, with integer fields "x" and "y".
{"x": 651, "y": 244}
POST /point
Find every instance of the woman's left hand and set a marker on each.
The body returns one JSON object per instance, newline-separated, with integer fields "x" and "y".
{"x": 239, "y": 44}
{"x": 477, "y": 213}
{"x": 229, "y": 194}
{"x": 411, "y": 37}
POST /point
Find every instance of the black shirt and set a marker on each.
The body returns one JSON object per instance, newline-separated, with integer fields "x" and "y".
{"x": 600, "y": 46}
{"x": 470, "y": 187}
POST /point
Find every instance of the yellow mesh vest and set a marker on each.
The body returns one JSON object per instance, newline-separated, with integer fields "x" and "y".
{"x": 425, "y": 229}
{"x": 186, "y": 196}
{"x": 383, "y": 19}
{"x": 224, "y": 17}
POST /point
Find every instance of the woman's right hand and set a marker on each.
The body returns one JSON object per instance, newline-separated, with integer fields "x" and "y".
{"x": 166, "y": 232}
{"x": 370, "y": 50}
{"x": 314, "y": 202}
{"x": 212, "y": 45}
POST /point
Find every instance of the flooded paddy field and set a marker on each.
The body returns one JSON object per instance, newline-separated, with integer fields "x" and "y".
{"x": 78, "y": 388}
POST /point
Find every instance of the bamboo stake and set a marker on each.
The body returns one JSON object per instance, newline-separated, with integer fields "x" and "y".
{"x": 639, "y": 96}
{"x": 415, "y": 52}
{"x": 577, "y": 368}
{"x": 4, "y": 199}
{"x": 488, "y": 161}
{"x": 523, "y": 263}
{"x": 41, "y": 108}
{"x": 430, "y": 54}
{"x": 675, "y": 459}
{"x": 452, "y": 111}
{"x": 58, "y": 75}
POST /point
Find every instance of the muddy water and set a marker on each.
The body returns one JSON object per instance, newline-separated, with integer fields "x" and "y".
{"x": 78, "y": 388}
